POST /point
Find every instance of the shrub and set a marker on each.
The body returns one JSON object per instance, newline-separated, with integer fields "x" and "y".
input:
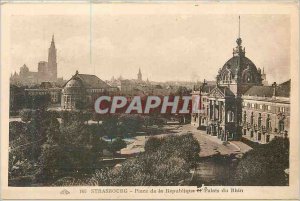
{"x": 265, "y": 165}
{"x": 117, "y": 145}
{"x": 165, "y": 162}
{"x": 25, "y": 115}
{"x": 146, "y": 170}
{"x": 153, "y": 144}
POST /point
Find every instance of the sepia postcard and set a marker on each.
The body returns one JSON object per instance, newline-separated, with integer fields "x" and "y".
{"x": 150, "y": 100}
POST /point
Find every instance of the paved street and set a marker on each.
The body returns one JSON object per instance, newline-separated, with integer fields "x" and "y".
{"x": 210, "y": 145}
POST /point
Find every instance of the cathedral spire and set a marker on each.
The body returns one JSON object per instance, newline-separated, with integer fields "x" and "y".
{"x": 52, "y": 61}
{"x": 139, "y": 75}
{"x": 239, "y": 26}
{"x": 52, "y": 42}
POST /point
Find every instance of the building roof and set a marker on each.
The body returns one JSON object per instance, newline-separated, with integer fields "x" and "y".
{"x": 262, "y": 91}
{"x": 92, "y": 81}
{"x": 226, "y": 91}
{"x": 282, "y": 90}
{"x": 208, "y": 88}
{"x": 220, "y": 92}
{"x": 89, "y": 81}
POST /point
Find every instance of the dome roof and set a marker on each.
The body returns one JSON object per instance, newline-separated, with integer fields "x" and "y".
{"x": 243, "y": 62}
{"x": 240, "y": 66}
{"x": 74, "y": 83}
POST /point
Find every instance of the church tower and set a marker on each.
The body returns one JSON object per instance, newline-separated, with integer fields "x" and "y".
{"x": 52, "y": 64}
{"x": 139, "y": 75}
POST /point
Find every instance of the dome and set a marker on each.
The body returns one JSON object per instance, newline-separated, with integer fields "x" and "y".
{"x": 74, "y": 83}
{"x": 239, "y": 66}
{"x": 239, "y": 69}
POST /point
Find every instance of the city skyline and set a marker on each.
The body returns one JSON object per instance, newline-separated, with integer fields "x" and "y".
{"x": 192, "y": 49}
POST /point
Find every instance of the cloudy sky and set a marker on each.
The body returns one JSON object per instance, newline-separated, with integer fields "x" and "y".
{"x": 165, "y": 47}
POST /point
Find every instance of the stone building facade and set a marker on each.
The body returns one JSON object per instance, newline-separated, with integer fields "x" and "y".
{"x": 266, "y": 112}
{"x": 46, "y": 88}
{"x": 224, "y": 108}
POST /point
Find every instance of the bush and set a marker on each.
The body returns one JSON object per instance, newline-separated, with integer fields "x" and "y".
{"x": 183, "y": 146}
{"x": 166, "y": 162}
{"x": 153, "y": 144}
{"x": 265, "y": 165}
{"x": 117, "y": 145}
{"x": 156, "y": 169}
{"x": 25, "y": 115}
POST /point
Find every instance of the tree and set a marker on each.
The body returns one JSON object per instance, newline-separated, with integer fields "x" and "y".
{"x": 98, "y": 145}
{"x": 80, "y": 105}
{"x": 162, "y": 166}
{"x": 86, "y": 116}
{"x": 38, "y": 101}
{"x": 153, "y": 144}
{"x": 53, "y": 129}
{"x": 25, "y": 115}
{"x": 182, "y": 91}
{"x": 264, "y": 165}
{"x": 16, "y": 129}
{"x": 96, "y": 117}
{"x": 49, "y": 162}
{"x": 117, "y": 145}
{"x": 130, "y": 123}
{"x": 111, "y": 126}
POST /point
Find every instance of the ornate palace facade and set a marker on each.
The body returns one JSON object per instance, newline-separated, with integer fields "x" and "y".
{"x": 239, "y": 105}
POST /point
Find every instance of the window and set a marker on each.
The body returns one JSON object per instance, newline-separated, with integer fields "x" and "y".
{"x": 260, "y": 106}
{"x": 252, "y": 105}
{"x": 230, "y": 116}
{"x": 245, "y": 117}
{"x": 252, "y": 119}
{"x": 268, "y": 122}
{"x": 259, "y": 136}
{"x": 259, "y": 120}
{"x": 281, "y": 109}
{"x": 269, "y": 107}
{"x": 281, "y": 125}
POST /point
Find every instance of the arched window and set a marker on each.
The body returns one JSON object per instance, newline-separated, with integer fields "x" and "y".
{"x": 216, "y": 113}
{"x": 252, "y": 119}
{"x": 268, "y": 122}
{"x": 259, "y": 120}
{"x": 281, "y": 125}
{"x": 247, "y": 76}
{"x": 230, "y": 116}
{"x": 245, "y": 117}
{"x": 227, "y": 76}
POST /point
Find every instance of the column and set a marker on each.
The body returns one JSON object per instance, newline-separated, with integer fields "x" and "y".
{"x": 214, "y": 107}
{"x": 220, "y": 110}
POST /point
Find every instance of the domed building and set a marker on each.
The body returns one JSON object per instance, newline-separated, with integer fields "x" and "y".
{"x": 239, "y": 71}
{"x": 82, "y": 90}
{"x": 226, "y": 109}
{"x": 224, "y": 101}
